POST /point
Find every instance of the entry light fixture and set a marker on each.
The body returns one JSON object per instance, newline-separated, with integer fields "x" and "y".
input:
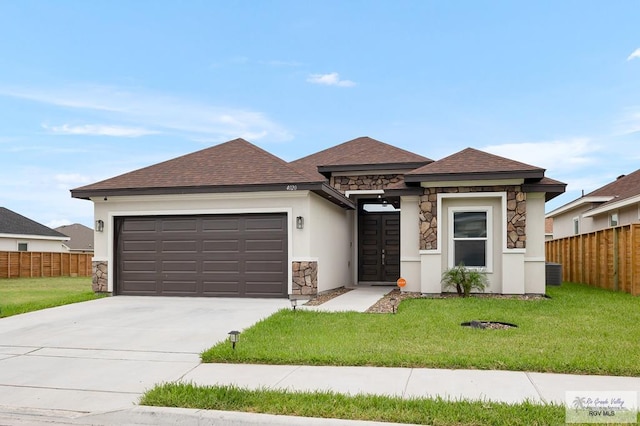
{"x": 99, "y": 225}
{"x": 234, "y": 337}
{"x": 299, "y": 222}
{"x": 294, "y": 303}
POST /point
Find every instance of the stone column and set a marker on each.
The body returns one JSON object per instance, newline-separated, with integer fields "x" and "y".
{"x": 305, "y": 278}
{"x": 100, "y": 276}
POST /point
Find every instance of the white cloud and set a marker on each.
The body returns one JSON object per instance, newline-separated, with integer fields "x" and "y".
{"x": 558, "y": 155}
{"x": 100, "y": 130}
{"x": 629, "y": 123}
{"x": 331, "y": 79}
{"x": 635, "y": 54}
{"x": 162, "y": 113}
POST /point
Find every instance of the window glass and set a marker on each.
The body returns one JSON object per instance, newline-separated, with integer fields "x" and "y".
{"x": 470, "y": 224}
{"x": 613, "y": 219}
{"x": 576, "y": 226}
{"x": 471, "y": 252}
{"x": 470, "y": 238}
{"x": 23, "y": 246}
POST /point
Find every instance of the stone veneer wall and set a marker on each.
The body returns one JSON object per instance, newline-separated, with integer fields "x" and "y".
{"x": 364, "y": 182}
{"x": 516, "y": 214}
{"x": 100, "y": 274}
{"x": 305, "y": 278}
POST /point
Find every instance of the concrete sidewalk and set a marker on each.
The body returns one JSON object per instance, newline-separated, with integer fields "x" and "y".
{"x": 359, "y": 299}
{"x": 503, "y": 386}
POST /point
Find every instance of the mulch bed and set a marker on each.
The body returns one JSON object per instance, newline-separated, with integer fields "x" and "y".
{"x": 395, "y": 296}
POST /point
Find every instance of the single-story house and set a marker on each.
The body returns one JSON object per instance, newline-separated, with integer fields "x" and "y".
{"x": 80, "y": 237}
{"x": 614, "y": 204}
{"x": 234, "y": 220}
{"x": 19, "y": 233}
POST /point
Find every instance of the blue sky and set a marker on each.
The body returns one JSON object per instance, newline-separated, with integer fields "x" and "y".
{"x": 93, "y": 89}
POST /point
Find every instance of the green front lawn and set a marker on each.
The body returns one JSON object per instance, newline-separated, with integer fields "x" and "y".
{"x": 360, "y": 407}
{"x": 579, "y": 329}
{"x": 20, "y": 295}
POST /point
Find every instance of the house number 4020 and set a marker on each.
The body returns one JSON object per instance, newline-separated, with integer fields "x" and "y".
{"x": 292, "y": 187}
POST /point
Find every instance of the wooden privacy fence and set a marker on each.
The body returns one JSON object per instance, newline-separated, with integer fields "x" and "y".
{"x": 27, "y": 264}
{"x": 609, "y": 258}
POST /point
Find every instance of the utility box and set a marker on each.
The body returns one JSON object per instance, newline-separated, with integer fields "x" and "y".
{"x": 553, "y": 273}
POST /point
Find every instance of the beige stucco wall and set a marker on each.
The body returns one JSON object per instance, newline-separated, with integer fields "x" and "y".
{"x": 294, "y": 203}
{"x": 563, "y": 223}
{"x": 53, "y": 246}
{"x": 410, "y": 242}
{"x": 330, "y": 230}
{"x": 534, "y": 258}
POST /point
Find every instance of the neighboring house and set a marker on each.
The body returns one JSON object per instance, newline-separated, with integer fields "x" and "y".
{"x": 615, "y": 204}
{"x": 81, "y": 237}
{"x": 234, "y": 220}
{"x": 18, "y": 233}
{"x": 548, "y": 228}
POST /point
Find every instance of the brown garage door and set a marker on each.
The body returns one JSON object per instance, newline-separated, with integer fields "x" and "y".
{"x": 216, "y": 255}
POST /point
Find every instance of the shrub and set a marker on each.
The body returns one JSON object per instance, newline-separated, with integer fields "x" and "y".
{"x": 464, "y": 279}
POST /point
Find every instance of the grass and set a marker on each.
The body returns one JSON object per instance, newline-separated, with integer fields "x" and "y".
{"x": 21, "y": 295}
{"x": 580, "y": 329}
{"x": 360, "y": 407}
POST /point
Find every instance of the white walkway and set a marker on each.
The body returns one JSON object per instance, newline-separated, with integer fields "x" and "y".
{"x": 359, "y": 299}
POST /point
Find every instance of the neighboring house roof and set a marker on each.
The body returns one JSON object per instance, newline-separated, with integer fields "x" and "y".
{"x": 81, "y": 236}
{"x": 623, "y": 191}
{"x": 363, "y": 153}
{"x": 12, "y": 223}
{"x": 232, "y": 166}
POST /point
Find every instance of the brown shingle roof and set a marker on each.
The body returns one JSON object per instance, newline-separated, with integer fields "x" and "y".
{"x": 233, "y": 163}
{"x": 363, "y": 151}
{"x": 473, "y": 164}
{"x": 621, "y": 188}
{"x": 81, "y": 237}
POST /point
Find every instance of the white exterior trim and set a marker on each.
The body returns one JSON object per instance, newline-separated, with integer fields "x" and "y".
{"x": 577, "y": 203}
{"x": 488, "y": 182}
{"x": 33, "y": 237}
{"x": 613, "y": 206}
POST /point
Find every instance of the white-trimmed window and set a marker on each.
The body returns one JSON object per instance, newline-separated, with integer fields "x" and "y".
{"x": 23, "y": 246}
{"x": 613, "y": 219}
{"x": 576, "y": 226}
{"x": 470, "y": 230}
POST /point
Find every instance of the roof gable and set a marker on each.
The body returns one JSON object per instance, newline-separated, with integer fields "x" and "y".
{"x": 363, "y": 153}
{"x": 16, "y": 224}
{"x": 470, "y": 164}
{"x": 81, "y": 236}
{"x": 233, "y": 163}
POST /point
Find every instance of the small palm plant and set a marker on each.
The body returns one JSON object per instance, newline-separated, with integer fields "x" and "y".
{"x": 464, "y": 279}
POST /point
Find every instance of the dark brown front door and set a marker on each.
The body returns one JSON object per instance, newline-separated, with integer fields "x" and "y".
{"x": 243, "y": 255}
{"x": 378, "y": 246}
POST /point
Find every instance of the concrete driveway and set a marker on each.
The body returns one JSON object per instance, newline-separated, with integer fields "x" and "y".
{"x": 103, "y": 354}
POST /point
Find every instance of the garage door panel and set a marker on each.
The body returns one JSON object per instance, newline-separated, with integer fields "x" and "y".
{"x": 214, "y": 246}
{"x": 139, "y": 225}
{"x": 227, "y": 224}
{"x": 180, "y": 246}
{"x": 169, "y": 266}
{"x": 216, "y": 255}
{"x": 264, "y": 245}
{"x": 139, "y": 265}
{"x": 140, "y": 246}
{"x": 264, "y": 224}
{"x": 179, "y": 287}
{"x": 179, "y": 225}
{"x": 220, "y": 266}
{"x": 264, "y": 266}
